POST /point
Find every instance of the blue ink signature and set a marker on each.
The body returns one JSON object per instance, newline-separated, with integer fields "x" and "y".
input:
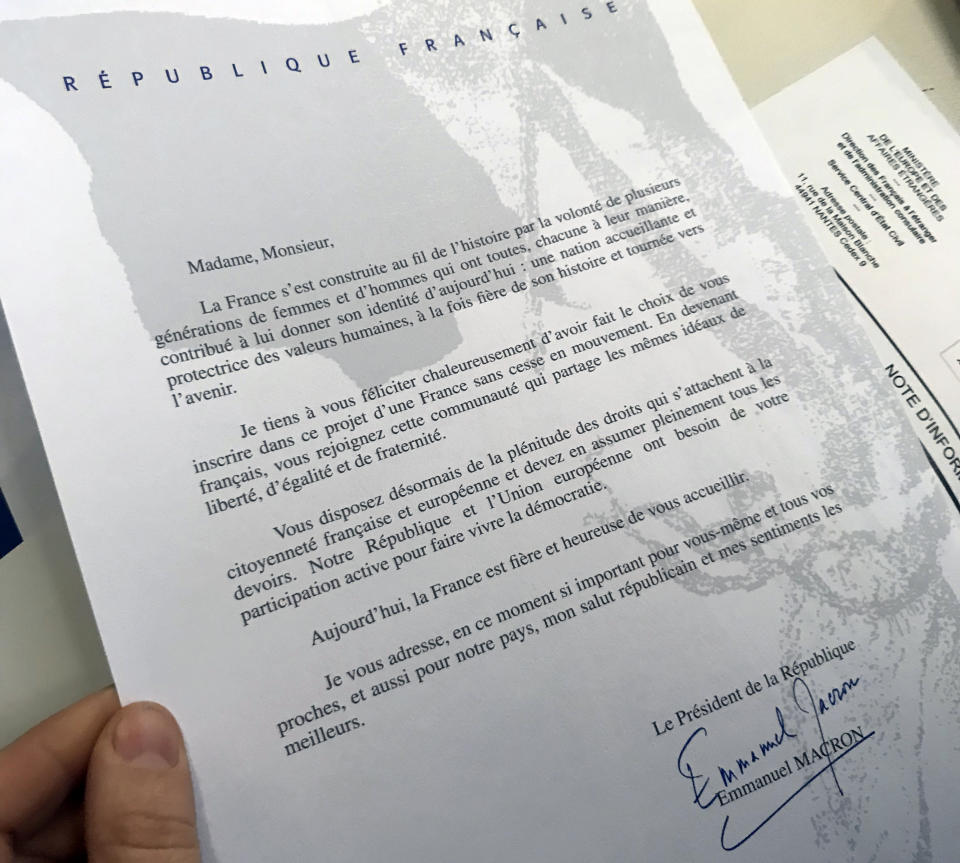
{"x": 835, "y": 696}
{"x": 802, "y": 696}
{"x": 765, "y": 747}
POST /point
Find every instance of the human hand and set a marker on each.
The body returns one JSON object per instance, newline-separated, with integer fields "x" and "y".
{"x": 97, "y": 783}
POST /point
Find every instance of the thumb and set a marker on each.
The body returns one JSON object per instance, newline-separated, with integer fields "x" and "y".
{"x": 139, "y": 798}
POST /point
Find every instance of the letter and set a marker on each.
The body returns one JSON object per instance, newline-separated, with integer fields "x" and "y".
{"x": 500, "y": 583}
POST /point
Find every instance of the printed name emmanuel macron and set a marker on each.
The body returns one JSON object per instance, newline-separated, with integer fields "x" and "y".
{"x": 205, "y": 265}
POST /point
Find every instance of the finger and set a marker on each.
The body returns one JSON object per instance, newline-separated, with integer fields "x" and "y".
{"x": 38, "y": 770}
{"x": 60, "y": 839}
{"x": 139, "y": 803}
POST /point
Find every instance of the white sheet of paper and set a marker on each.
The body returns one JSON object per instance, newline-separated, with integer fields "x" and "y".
{"x": 537, "y": 500}
{"x": 878, "y": 170}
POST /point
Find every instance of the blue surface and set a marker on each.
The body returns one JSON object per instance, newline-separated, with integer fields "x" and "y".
{"x": 9, "y": 534}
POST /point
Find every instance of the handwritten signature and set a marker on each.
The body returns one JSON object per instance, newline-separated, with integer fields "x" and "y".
{"x": 830, "y": 750}
{"x": 765, "y": 747}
